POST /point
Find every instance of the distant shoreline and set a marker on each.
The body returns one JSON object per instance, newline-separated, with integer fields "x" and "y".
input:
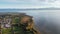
{"x": 32, "y": 9}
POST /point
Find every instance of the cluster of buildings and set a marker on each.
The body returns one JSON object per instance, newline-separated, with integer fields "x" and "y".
{"x": 7, "y": 20}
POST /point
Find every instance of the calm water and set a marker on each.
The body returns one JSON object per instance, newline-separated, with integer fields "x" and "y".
{"x": 47, "y": 21}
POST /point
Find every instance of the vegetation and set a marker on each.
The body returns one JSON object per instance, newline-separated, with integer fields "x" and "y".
{"x": 6, "y": 31}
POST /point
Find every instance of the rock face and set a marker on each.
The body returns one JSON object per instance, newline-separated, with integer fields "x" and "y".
{"x": 10, "y": 20}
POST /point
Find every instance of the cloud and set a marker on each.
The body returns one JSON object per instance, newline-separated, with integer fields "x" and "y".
{"x": 8, "y": 0}
{"x": 29, "y": 3}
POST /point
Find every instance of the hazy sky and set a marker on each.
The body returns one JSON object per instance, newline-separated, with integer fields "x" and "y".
{"x": 29, "y": 3}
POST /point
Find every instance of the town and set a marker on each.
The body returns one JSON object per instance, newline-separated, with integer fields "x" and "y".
{"x": 9, "y": 23}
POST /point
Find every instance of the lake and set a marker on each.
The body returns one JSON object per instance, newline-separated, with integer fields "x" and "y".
{"x": 47, "y": 21}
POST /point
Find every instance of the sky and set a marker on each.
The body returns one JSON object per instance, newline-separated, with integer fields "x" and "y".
{"x": 29, "y": 3}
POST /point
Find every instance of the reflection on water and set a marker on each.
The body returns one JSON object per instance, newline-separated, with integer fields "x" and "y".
{"x": 47, "y": 21}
